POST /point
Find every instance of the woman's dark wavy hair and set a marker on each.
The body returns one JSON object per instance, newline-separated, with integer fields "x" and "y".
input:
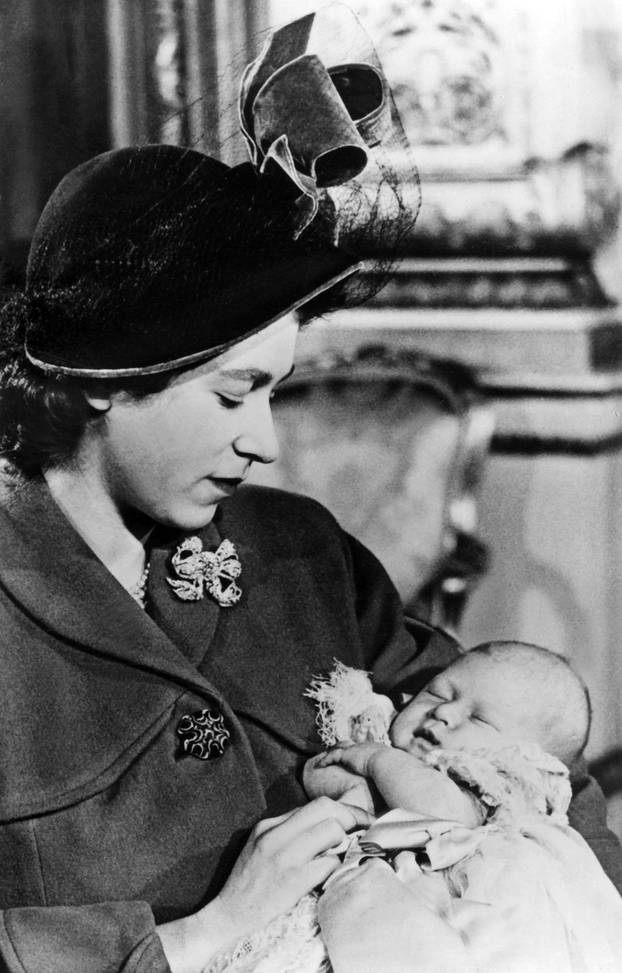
{"x": 43, "y": 417}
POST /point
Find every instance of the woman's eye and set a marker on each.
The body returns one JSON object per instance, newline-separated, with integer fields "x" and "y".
{"x": 228, "y": 403}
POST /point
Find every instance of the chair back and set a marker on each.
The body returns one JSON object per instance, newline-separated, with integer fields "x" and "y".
{"x": 393, "y": 444}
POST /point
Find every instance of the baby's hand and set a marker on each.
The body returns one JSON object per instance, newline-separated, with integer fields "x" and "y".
{"x": 326, "y": 778}
{"x": 355, "y": 757}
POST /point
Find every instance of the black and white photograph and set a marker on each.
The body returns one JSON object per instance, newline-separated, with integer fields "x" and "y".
{"x": 310, "y": 486}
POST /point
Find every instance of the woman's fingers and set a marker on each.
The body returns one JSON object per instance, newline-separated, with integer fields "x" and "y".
{"x": 324, "y": 837}
{"x": 323, "y": 809}
{"x": 286, "y": 857}
{"x": 317, "y": 871}
{"x": 268, "y": 824}
{"x": 293, "y": 841}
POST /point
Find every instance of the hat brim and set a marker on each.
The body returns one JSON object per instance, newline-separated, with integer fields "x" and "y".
{"x": 311, "y": 281}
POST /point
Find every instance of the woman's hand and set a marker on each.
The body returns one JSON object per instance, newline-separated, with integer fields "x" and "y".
{"x": 283, "y": 859}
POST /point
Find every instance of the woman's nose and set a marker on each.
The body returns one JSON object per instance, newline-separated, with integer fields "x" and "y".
{"x": 258, "y": 440}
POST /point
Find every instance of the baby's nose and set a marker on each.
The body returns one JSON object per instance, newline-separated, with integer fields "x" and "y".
{"x": 447, "y": 713}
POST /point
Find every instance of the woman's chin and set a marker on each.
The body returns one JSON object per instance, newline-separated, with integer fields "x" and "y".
{"x": 190, "y": 517}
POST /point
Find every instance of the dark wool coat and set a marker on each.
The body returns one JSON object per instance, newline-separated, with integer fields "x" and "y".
{"x": 105, "y": 827}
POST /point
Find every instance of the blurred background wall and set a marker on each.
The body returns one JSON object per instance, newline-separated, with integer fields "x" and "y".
{"x": 54, "y": 107}
{"x": 513, "y": 109}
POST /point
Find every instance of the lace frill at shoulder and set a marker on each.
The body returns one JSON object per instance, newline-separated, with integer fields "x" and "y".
{"x": 513, "y": 783}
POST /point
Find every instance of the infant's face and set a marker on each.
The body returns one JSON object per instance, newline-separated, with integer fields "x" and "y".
{"x": 476, "y": 703}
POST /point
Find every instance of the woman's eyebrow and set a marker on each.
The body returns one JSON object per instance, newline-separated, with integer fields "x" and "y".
{"x": 256, "y": 377}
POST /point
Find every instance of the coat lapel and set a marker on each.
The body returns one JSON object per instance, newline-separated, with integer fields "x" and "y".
{"x": 48, "y": 569}
{"x": 191, "y": 625}
{"x": 267, "y": 649}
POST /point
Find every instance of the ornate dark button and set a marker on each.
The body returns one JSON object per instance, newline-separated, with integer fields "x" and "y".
{"x": 203, "y": 734}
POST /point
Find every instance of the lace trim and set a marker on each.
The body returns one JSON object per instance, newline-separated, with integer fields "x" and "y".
{"x": 513, "y": 783}
{"x": 348, "y": 708}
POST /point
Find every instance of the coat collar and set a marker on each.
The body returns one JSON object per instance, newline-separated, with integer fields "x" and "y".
{"x": 53, "y": 579}
{"x": 48, "y": 569}
{"x": 191, "y": 625}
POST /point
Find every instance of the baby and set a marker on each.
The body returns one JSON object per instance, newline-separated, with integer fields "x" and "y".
{"x": 478, "y": 767}
{"x": 498, "y": 695}
{"x": 474, "y": 773}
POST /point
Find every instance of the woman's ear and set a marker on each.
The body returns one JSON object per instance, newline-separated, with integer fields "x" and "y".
{"x": 98, "y": 401}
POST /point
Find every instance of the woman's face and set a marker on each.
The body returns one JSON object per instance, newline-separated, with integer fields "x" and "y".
{"x": 175, "y": 455}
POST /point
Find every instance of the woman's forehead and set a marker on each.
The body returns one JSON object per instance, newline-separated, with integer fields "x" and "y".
{"x": 277, "y": 337}
{"x": 270, "y": 349}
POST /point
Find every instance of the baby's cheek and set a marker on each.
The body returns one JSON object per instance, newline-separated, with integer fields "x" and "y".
{"x": 395, "y": 735}
{"x": 401, "y": 732}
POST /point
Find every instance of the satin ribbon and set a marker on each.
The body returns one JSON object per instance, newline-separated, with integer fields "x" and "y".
{"x": 445, "y": 842}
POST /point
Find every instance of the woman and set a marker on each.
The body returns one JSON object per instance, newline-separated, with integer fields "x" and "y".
{"x": 158, "y": 625}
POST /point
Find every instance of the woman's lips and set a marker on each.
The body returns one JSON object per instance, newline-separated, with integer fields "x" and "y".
{"x": 228, "y": 485}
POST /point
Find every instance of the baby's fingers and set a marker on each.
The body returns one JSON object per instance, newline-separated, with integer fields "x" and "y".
{"x": 322, "y": 812}
{"x": 329, "y": 758}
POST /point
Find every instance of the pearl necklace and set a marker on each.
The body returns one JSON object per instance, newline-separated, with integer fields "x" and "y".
{"x": 139, "y": 590}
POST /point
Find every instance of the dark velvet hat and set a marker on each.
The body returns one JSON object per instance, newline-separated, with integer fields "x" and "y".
{"x": 151, "y": 258}
{"x": 147, "y": 259}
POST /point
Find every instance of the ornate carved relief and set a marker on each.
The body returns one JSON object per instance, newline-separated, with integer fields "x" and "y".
{"x": 474, "y": 81}
{"x": 447, "y": 66}
{"x": 561, "y": 207}
{"x": 508, "y": 285}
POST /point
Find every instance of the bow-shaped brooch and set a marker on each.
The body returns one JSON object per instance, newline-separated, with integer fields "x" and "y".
{"x": 202, "y": 571}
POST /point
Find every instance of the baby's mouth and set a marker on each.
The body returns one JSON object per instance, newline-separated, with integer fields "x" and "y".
{"x": 426, "y": 735}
